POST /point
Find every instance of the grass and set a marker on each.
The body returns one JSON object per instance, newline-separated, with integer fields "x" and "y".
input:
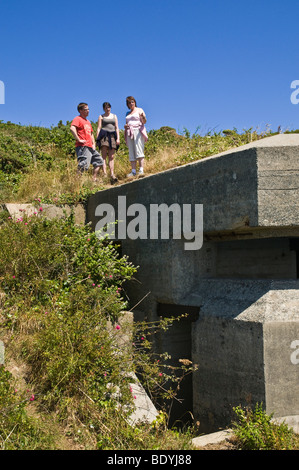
{"x": 256, "y": 430}
{"x": 41, "y": 163}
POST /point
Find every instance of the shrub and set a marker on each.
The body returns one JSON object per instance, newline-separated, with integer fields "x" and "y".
{"x": 18, "y": 430}
{"x": 255, "y": 430}
{"x": 63, "y": 301}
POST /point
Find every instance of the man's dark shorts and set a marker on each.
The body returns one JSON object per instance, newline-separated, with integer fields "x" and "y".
{"x": 87, "y": 156}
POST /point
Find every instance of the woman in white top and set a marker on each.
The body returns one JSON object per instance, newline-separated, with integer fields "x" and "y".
{"x": 108, "y": 138}
{"x": 135, "y": 134}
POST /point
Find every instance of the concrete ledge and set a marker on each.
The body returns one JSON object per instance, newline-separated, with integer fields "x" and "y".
{"x": 213, "y": 438}
{"x": 144, "y": 411}
{"x": 291, "y": 421}
{"x": 49, "y": 211}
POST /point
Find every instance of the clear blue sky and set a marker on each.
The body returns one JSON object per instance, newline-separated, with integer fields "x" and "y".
{"x": 212, "y": 64}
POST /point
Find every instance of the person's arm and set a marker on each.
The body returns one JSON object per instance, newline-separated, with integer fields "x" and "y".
{"x": 93, "y": 141}
{"x": 73, "y": 130}
{"x": 117, "y": 131}
{"x": 99, "y": 125}
{"x": 142, "y": 116}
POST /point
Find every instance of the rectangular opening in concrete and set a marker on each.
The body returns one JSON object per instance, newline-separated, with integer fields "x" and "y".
{"x": 265, "y": 258}
{"x": 294, "y": 246}
{"x": 177, "y": 342}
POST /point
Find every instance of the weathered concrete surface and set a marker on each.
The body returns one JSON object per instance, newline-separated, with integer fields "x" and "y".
{"x": 212, "y": 438}
{"x": 243, "y": 343}
{"x": 243, "y": 280}
{"x": 253, "y": 186}
{"x": 48, "y": 210}
{"x": 143, "y": 409}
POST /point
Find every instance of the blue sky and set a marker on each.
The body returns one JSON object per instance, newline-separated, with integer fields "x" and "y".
{"x": 190, "y": 64}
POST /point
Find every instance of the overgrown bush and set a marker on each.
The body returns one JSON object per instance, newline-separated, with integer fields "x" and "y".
{"x": 18, "y": 430}
{"x": 256, "y": 430}
{"x": 62, "y": 300}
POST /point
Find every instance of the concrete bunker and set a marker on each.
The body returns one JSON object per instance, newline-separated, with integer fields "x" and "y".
{"x": 243, "y": 281}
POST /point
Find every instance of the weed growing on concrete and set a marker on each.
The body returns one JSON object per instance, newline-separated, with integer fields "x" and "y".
{"x": 256, "y": 430}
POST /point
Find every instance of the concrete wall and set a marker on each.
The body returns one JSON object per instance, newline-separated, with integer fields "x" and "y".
{"x": 243, "y": 280}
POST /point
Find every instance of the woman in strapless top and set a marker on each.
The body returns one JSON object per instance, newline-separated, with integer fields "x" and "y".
{"x": 108, "y": 138}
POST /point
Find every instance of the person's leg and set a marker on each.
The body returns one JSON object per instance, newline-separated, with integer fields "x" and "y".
{"x": 132, "y": 158}
{"x": 95, "y": 172}
{"x": 140, "y": 161}
{"x": 83, "y": 159}
{"x": 104, "y": 152}
{"x": 111, "y": 154}
{"x": 97, "y": 161}
{"x": 139, "y": 145}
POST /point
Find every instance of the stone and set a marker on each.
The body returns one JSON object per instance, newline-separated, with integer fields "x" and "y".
{"x": 212, "y": 438}
{"x": 48, "y": 210}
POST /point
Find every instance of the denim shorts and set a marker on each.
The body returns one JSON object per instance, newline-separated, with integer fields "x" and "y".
{"x": 88, "y": 156}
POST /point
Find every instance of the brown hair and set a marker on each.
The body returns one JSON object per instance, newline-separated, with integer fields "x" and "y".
{"x": 81, "y": 106}
{"x": 130, "y": 98}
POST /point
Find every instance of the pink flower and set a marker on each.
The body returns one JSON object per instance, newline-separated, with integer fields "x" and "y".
{"x": 117, "y": 327}
{"x": 13, "y": 277}
{"x": 135, "y": 397}
{"x": 32, "y": 398}
{"x": 40, "y": 209}
{"x": 160, "y": 374}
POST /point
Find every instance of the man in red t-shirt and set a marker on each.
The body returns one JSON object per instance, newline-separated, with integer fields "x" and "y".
{"x": 85, "y": 144}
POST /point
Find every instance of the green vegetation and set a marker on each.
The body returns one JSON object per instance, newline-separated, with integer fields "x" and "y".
{"x": 256, "y": 430}
{"x": 69, "y": 374}
{"x": 37, "y": 162}
{"x": 62, "y": 316}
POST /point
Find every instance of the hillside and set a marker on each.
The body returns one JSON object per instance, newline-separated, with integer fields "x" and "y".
{"x": 67, "y": 381}
{"x": 40, "y": 163}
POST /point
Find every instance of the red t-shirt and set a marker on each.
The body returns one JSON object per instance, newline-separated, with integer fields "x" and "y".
{"x": 84, "y": 131}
